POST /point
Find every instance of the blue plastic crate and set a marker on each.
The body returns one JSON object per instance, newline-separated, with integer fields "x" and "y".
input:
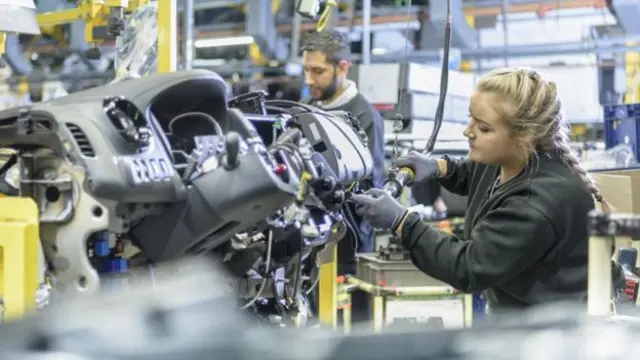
{"x": 622, "y": 126}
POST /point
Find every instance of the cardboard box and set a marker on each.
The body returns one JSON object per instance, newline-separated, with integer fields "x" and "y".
{"x": 622, "y": 189}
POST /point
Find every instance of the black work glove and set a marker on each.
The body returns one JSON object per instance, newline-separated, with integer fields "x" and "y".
{"x": 379, "y": 208}
{"x": 424, "y": 166}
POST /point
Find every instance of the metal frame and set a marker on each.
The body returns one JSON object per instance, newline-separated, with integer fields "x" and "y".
{"x": 167, "y": 35}
{"x": 381, "y": 294}
{"x": 328, "y": 292}
{"x": 93, "y": 12}
{"x": 603, "y": 228}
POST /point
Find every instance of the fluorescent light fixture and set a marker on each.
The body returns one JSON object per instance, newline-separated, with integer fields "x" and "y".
{"x": 226, "y": 41}
{"x": 378, "y": 51}
{"x": 209, "y": 62}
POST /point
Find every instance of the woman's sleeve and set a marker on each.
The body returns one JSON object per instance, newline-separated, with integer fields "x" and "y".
{"x": 506, "y": 242}
{"x": 458, "y": 177}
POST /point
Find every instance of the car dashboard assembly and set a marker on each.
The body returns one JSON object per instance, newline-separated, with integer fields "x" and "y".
{"x": 165, "y": 166}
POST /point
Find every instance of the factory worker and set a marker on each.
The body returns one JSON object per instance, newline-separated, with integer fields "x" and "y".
{"x": 326, "y": 61}
{"x": 526, "y": 223}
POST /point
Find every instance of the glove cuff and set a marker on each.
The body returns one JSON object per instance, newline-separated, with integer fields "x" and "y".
{"x": 398, "y": 224}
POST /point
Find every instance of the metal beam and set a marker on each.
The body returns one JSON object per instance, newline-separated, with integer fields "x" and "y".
{"x": 611, "y": 45}
{"x": 393, "y": 16}
{"x": 483, "y": 4}
{"x": 261, "y": 23}
{"x": 212, "y": 4}
{"x": 167, "y": 35}
{"x": 366, "y": 32}
{"x": 187, "y": 34}
{"x": 296, "y": 36}
{"x": 494, "y": 7}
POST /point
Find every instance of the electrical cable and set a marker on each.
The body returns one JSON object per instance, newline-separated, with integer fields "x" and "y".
{"x": 267, "y": 271}
{"x": 399, "y": 178}
{"x": 298, "y": 272}
{"x": 323, "y": 20}
{"x": 444, "y": 83}
{"x": 316, "y": 279}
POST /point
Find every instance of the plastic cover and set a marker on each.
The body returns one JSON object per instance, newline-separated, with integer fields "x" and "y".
{"x": 137, "y": 46}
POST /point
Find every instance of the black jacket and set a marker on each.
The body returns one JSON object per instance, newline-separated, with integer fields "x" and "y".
{"x": 525, "y": 244}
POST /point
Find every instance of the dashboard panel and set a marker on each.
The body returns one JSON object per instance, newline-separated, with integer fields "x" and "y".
{"x": 125, "y": 153}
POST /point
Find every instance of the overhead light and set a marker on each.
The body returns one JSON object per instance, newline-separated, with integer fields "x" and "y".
{"x": 209, "y": 62}
{"x": 227, "y": 41}
{"x": 378, "y": 51}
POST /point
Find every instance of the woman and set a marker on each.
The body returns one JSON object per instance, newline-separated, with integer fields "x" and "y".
{"x": 526, "y": 223}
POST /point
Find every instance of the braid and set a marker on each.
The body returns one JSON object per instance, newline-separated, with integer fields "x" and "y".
{"x": 534, "y": 112}
{"x": 566, "y": 154}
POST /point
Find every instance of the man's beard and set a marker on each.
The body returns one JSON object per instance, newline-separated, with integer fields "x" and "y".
{"x": 331, "y": 90}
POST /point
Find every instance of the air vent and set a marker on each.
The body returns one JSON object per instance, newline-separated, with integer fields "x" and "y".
{"x": 81, "y": 140}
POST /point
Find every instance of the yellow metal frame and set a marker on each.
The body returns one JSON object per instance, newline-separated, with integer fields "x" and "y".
{"x": 467, "y": 65}
{"x": 94, "y": 13}
{"x": 632, "y": 72}
{"x": 19, "y": 255}
{"x": 167, "y": 35}
{"x": 328, "y": 292}
{"x": 381, "y": 294}
{"x": 3, "y": 38}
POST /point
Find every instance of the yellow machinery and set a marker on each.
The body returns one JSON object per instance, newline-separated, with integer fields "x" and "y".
{"x": 19, "y": 225}
{"x": 19, "y": 242}
{"x": 19, "y": 255}
{"x": 632, "y": 70}
{"x": 328, "y": 284}
{"x": 103, "y": 19}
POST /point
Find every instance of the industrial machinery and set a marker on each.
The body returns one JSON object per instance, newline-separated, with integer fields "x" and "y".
{"x": 104, "y": 20}
{"x": 161, "y": 167}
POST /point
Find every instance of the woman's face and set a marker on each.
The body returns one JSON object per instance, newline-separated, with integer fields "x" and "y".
{"x": 490, "y": 139}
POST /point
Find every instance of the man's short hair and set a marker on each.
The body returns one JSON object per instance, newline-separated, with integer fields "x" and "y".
{"x": 334, "y": 44}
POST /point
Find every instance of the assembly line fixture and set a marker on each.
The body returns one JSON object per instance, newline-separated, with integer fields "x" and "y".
{"x": 19, "y": 219}
{"x": 603, "y": 228}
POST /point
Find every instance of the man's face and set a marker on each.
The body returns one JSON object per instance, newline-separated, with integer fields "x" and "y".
{"x": 321, "y": 75}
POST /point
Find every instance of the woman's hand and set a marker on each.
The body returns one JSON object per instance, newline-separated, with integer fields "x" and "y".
{"x": 379, "y": 208}
{"x": 424, "y": 166}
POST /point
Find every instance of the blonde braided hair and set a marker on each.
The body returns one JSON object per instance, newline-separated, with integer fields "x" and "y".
{"x": 534, "y": 111}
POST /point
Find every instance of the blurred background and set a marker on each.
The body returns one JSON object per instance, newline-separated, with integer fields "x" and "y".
{"x": 589, "y": 47}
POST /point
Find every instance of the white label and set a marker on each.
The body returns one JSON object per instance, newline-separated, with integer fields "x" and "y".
{"x": 314, "y": 132}
{"x": 420, "y": 311}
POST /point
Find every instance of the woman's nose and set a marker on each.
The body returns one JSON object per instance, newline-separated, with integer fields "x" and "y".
{"x": 467, "y": 132}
